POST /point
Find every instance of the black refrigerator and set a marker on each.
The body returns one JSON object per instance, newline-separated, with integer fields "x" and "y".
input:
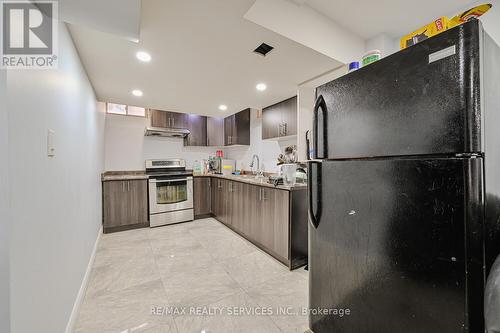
{"x": 404, "y": 189}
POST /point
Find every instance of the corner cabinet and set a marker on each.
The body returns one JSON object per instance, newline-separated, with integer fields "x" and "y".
{"x": 125, "y": 205}
{"x": 215, "y": 132}
{"x": 237, "y": 129}
{"x": 197, "y": 126}
{"x": 280, "y": 120}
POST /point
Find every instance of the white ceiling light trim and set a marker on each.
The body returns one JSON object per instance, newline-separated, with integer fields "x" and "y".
{"x": 223, "y": 107}
{"x": 137, "y": 93}
{"x": 143, "y": 56}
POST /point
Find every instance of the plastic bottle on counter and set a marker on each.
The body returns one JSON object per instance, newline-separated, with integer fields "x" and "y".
{"x": 197, "y": 168}
{"x": 353, "y": 66}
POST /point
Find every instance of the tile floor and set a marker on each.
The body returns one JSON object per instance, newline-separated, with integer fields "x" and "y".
{"x": 195, "y": 266}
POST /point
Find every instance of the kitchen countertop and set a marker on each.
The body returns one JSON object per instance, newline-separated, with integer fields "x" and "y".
{"x": 123, "y": 175}
{"x": 247, "y": 178}
{"x": 250, "y": 179}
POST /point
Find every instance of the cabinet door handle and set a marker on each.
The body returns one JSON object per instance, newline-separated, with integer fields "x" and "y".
{"x": 173, "y": 122}
{"x": 123, "y": 186}
{"x": 285, "y": 129}
{"x": 128, "y": 186}
{"x": 260, "y": 194}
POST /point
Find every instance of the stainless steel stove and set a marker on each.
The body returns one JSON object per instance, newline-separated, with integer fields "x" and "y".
{"x": 170, "y": 192}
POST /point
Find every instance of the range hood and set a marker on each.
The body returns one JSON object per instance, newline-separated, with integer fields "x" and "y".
{"x": 167, "y": 132}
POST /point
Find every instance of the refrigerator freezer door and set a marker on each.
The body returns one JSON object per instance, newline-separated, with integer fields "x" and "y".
{"x": 399, "y": 244}
{"x": 419, "y": 101}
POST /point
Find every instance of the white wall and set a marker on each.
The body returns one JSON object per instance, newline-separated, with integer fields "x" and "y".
{"x": 490, "y": 20}
{"x": 267, "y": 150}
{"x": 308, "y": 27}
{"x": 384, "y": 43}
{"x": 126, "y": 147}
{"x": 56, "y": 202}
{"x": 4, "y": 208}
{"x": 307, "y": 97}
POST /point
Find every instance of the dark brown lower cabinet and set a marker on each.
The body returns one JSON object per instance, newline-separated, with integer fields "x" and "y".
{"x": 238, "y": 206}
{"x": 217, "y": 198}
{"x": 275, "y": 217}
{"x": 125, "y": 205}
{"x": 202, "y": 196}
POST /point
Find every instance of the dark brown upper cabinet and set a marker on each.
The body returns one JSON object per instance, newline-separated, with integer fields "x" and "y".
{"x": 215, "y": 132}
{"x": 280, "y": 119}
{"x": 237, "y": 129}
{"x": 168, "y": 119}
{"x": 197, "y": 125}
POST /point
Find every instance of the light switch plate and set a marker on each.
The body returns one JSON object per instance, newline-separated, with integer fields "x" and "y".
{"x": 51, "y": 149}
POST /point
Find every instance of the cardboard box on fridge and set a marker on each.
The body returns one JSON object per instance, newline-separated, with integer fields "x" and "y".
{"x": 442, "y": 24}
{"x": 432, "y": 29}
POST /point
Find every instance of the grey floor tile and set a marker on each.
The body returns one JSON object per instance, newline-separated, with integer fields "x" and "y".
{"x": 225, "y": 245}
{"x": 169, "y": 231}
{"x": 192, "y": 258}
{"x": 228, "y": 320}
{"x": 200, "y": 263}
{"x": 200, "y": 287}
{"x": 254, "y": 268}
{"x": 206, "y": 224}
{"x": 288, "y": 293}
{"x": 124, "y": 272}
{"x": 128, "y": 310}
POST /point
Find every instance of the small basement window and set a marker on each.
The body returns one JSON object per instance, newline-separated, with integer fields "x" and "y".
{"x": 125, "y": 110}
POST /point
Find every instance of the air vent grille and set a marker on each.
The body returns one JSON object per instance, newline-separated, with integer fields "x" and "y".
{"x": 263, "y": 49}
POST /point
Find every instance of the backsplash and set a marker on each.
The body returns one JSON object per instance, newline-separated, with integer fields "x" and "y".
{"x": 126, "y": 147}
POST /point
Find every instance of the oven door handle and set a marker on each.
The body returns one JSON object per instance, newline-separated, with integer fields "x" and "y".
{"x": 171, "y": 180}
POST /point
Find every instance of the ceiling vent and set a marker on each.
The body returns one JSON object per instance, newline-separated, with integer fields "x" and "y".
{"x": 263, "y": 49}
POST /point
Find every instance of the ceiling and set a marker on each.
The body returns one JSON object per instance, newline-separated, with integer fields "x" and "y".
{"x": 396, "y": 18}
{"x": 119, "y": 17}
{"x": 202, "y": 57}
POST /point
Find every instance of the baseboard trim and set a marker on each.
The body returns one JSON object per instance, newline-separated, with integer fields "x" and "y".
{"x": 83, "y": 288}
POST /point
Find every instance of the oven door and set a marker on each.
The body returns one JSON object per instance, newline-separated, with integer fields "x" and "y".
{"x": 167, "y": 195}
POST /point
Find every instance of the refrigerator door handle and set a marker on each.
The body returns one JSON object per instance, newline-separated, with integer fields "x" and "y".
{"x": 320, "y": 103}
{"x": 314, "y": 217}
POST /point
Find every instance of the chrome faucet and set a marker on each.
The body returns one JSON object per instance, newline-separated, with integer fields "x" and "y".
{"x": 259, "y": 173}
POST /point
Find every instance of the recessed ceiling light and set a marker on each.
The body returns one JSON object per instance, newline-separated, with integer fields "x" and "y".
{"x": 223, "y": 107}
{"x": 143, "y": 56}
{"x": 261, "y": 87}
{"x": 137, "y": 92}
